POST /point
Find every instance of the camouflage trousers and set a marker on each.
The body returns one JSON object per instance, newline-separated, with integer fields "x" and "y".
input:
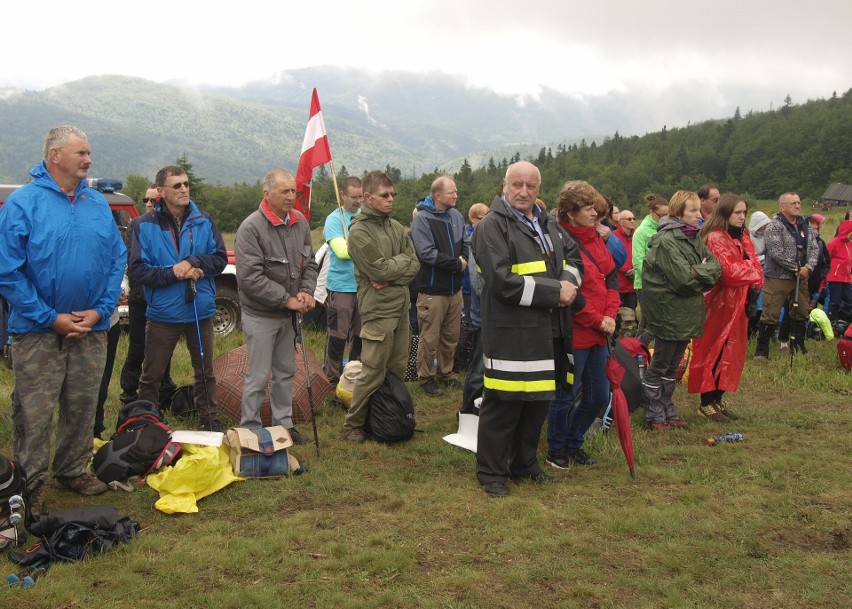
{"x": 51, "y": 370}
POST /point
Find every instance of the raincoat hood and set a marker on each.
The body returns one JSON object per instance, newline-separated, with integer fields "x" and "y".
{"x": 757, "y": 221}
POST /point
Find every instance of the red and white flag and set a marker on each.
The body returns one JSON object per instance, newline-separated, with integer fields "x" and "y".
{"x": 315, "y": 152}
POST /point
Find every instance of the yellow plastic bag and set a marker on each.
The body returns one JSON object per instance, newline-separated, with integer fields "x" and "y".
{"x": 201, "y": 471}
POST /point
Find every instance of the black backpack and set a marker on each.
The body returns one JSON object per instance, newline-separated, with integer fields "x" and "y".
{"x": 390, "y": 413}
{"x": 14, "y": 506}
{"x": 142, "y": 443}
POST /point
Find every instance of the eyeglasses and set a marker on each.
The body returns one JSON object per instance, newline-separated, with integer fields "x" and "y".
{"x": 179, "y": 185}
{"x": 628, "y": 219}
{"x": 358, "y": 198}
{"x": 385, "y": 195}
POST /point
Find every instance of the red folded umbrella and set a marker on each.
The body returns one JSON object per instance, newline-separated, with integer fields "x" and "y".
{"x": 620, "y": 413}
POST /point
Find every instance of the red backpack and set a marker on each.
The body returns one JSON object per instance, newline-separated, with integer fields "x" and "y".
{"x": 844, "y": 348}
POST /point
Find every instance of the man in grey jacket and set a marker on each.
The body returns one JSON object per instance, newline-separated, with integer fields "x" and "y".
{"x": 791, "y": 252}
{"x": 276, "y": 274}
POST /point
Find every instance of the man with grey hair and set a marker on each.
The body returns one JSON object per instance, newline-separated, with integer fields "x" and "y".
{"x": 442, "y": 248}
{"x": 276, "y": 275}
{"x": 62, "y": 260}
{"x": 791, "y": 253}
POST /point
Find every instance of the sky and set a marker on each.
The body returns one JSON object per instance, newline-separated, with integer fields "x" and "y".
{"x": 584, "y": 48}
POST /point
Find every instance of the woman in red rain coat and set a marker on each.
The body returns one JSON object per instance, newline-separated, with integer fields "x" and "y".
{"x": 719, "y": 355}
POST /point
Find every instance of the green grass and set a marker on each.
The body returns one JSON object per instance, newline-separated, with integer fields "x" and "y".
{"x": 760, "y": 524}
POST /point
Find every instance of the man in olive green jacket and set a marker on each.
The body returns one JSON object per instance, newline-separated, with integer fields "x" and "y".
{"x": 385, "y": 263}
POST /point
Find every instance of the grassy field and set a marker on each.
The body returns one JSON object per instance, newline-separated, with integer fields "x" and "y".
{"x": 760, "y": 524}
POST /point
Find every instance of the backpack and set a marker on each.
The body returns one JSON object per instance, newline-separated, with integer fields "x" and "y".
{"x": 14, "y": 507}
{"x": 844, "y": 348}
{"x": 181, "y": 402}
{"x": 390, "y": 412}
{"x": 464, "y": 348}
{"x": 628, "y": 325}
{"x": 142, "y": 443}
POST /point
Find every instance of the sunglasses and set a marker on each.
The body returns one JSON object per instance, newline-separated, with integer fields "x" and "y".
{"x": 147, "y": 200}
{"x": 385, "y": 195}
{"x": 179, "y": 185}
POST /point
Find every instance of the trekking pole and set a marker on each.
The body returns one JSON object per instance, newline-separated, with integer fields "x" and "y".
{"x": 795, "y": 306}
{"x": 201, "y": 352}
{"x": 300, "y": 340}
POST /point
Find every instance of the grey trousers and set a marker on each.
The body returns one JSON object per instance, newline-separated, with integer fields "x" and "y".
{"x": 271, "y": 348}
{"x": 50, "y": 369}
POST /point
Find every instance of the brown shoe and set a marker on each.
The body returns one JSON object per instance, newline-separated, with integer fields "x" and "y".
{"x": 722, "y": 407}
{"x": 654, "y": 426}
{"x": 676, "y": 422}
{"x": 84, "y": 484}
{"x": 355, "y": 435}
{"x": 711, "y": 411}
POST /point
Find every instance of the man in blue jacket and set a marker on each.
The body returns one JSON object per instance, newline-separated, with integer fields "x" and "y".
{"x": 61, "y": 264}
{"x": 442, "y": 246}
{"x": 175, "y": 254}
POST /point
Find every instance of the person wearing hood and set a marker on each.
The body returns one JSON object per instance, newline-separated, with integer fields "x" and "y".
{"x": 385, "y": 264}
{"x": 719, "y": 356}
{"x": 62, "y": 260}
{"x": 756, "y": 228}
{"x": 839, "y": 277}
{"x": 442, "y": 247}
{"x": 678, "y": 270}
{"x": 791, "y": 257}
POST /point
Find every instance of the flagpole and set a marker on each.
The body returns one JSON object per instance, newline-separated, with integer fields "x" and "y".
{"x": 337, "y": 194}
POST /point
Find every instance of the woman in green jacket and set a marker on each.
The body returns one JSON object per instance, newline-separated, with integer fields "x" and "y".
{"x": 657, "y": 208}
{"x": 678, "y": 270}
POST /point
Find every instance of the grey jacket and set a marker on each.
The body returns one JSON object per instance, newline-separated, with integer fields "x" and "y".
{"x": 782, "y": 261}
{"x": 275, "y": 260}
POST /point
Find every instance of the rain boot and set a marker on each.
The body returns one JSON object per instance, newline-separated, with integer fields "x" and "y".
{"x": 666, "y": 394}
{"x": 764, "y": 333}
{"x": 655, "y": 409}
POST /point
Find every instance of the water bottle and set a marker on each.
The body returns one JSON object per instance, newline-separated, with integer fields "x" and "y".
{"x": 641, "y": 359}
{"x": 728, "y": 437}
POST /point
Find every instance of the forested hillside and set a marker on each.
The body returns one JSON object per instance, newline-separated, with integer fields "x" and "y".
{"x": 761, "y": 155}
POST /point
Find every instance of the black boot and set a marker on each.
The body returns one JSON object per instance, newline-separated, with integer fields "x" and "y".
{"x": 797, "y": 339}
{"x": 764, "y": 333}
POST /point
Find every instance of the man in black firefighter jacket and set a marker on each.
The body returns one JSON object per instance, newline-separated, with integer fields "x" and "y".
{"x": 531, "y": 273}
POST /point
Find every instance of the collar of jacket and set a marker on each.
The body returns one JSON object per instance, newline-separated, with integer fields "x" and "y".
{"x": 292, "y": 216}
{"x": 371, "y": 214}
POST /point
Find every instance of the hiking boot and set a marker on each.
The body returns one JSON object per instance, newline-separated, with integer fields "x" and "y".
{"x": 84, "y": 484}
{"x": 126, "y": 398}
{"x": 36, "y": 499}
{"x": 654, "y": 426}
{"x": 579, "y": 457}
{"x": 431, "y": 387}
{"x": 297, "y": 437}
{"x": 557, "y": 460}
{"x": 452, "y": 383}
{"x": 761, "y": 358}
{"x": 355, "y": 435}
{"x": 676, "y": 422}
{"x": 710, "y": 411}
{"x": 784, "y": 347}
{"x": 496, "y": 489}
{"x": 722, "y": 407}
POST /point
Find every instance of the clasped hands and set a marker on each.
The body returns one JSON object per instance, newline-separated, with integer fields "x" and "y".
{"x": 185, "y": 270}
{"x": 302, "y": 302}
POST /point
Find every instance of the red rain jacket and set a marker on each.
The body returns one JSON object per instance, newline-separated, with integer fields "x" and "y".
{"x": 725, "y": 336}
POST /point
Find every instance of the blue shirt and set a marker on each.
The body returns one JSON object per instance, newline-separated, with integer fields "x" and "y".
{"x": 341, "y": 271}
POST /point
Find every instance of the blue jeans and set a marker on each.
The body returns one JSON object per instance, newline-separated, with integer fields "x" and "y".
{"x": 566, "y": 428}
